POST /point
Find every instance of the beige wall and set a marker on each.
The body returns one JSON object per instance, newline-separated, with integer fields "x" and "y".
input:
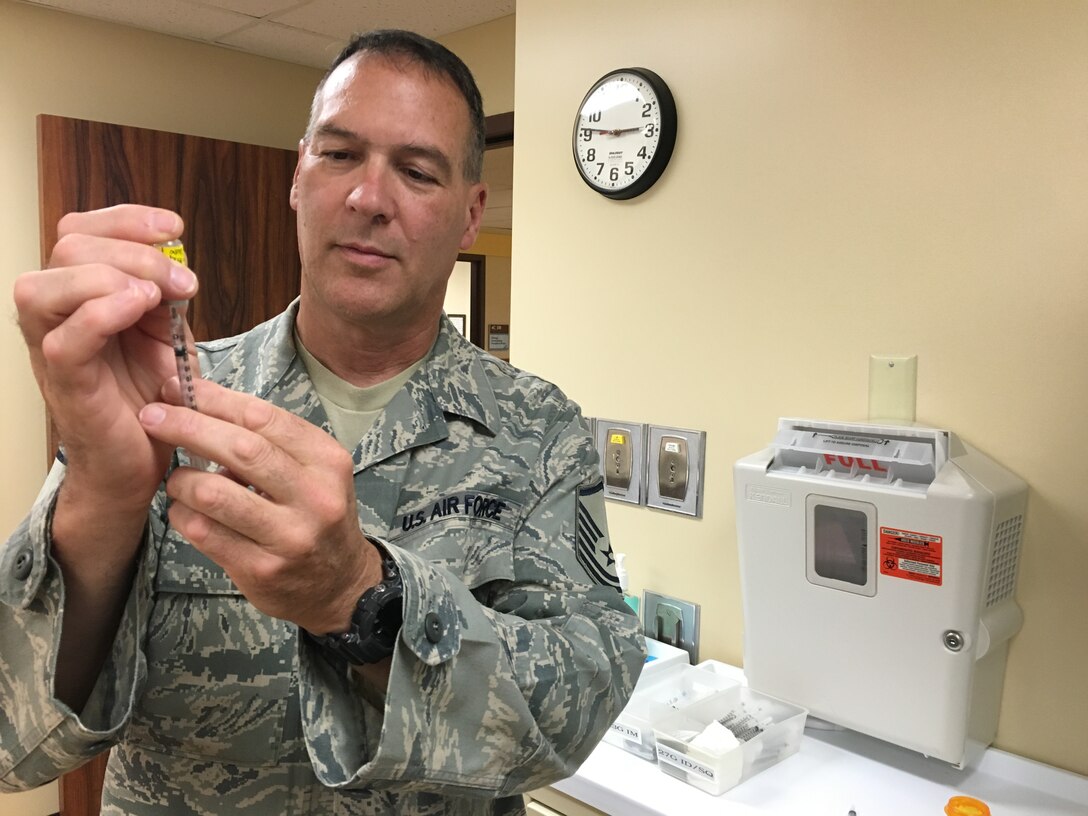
{"x": 488, "y": 51}
{"x": 497, "y": 301}
{"x": 850, "y": 178}
{"x": 496, "y": 246}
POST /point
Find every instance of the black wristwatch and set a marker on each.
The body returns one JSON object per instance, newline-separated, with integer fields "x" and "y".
{"x": 375, "y": 623}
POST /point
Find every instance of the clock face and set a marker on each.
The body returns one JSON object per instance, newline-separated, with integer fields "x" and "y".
{"x": 624, "y": 132}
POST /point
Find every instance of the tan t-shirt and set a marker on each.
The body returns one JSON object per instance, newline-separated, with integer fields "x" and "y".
{"x": 352, "y": 410}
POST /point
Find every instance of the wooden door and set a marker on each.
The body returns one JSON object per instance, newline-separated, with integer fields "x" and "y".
{"x": 239, "y": 237}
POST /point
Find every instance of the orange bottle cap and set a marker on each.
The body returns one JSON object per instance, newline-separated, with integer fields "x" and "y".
{"x": 966, "y": 806}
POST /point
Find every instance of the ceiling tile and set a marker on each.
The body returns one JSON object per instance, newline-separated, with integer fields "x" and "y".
{"x": 174, "y": 17}
{"x": 342, "y": 18}
{"x": 255, "y": 8}
{"x": 285, "y": 43}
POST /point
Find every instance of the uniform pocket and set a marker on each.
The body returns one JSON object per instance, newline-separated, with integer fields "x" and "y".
{"x": 219, "y": 671}
{"x": 472, "y": 549}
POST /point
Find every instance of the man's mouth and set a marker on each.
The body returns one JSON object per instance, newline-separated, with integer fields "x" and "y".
{"x": 364, "y": 253}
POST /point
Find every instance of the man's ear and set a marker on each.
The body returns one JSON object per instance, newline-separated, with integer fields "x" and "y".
{"x": 294, "y": 179}
{"x": 475, "y": 215}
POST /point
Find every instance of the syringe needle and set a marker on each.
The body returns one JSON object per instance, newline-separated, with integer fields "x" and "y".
{"x": 185, "y": 369}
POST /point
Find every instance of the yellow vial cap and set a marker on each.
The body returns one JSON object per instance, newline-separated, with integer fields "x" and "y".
{"x": 174, "y": 250}
{"x": 966, "y": 806}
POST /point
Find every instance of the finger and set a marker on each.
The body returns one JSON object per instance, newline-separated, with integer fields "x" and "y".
{"x": 302, "y": 441}
{"x": 139, "y": 260}
{"x": 129, "y": 222}
{"x": 44, "y": 299}
{"x": 219, "y": 516}
{"x": 252, "y": 458}
{"x": 84, "y": 333}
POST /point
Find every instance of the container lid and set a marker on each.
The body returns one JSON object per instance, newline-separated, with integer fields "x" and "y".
{"x": 966, "y": 806}
{"x": 899, "y": 457}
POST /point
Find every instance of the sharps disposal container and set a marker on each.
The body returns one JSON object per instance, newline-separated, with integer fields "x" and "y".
{"x": 878, "y": 572}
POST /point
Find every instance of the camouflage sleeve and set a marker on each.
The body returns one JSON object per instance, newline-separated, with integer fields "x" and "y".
{"x": 506, "y": 688}
{"x": 41, "y": 737}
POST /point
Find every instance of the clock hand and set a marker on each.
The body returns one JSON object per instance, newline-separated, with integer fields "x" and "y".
{"x": 615, "y": 131}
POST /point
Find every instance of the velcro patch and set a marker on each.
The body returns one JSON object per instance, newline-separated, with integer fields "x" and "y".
{"x": 594, "y": 549}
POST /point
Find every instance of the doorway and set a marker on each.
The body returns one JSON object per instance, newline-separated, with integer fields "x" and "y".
{"x": 480, "y": 285}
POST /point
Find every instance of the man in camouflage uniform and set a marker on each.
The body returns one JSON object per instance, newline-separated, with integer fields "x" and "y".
{"x": 203, "y": 639}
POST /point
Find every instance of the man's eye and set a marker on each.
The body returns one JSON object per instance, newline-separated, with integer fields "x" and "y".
{"x": 336, "y": 155}
{"x": 416, "y": 174}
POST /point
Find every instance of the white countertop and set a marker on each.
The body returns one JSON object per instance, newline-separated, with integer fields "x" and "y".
{"x": 832, "y": 774}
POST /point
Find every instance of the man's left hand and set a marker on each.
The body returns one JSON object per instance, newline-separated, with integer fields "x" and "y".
{"x": 281, "y": 518}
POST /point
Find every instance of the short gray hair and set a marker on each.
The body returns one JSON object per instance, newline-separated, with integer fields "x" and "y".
{"x": 434, "y": 58}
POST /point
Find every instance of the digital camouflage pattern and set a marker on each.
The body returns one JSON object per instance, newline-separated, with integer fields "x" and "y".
{"x": 475, "y": 478}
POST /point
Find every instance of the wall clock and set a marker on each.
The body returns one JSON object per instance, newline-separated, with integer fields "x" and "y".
{"x": 624, "y": 132}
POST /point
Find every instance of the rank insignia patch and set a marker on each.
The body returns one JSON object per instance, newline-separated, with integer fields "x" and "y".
{"x": 594, "y": 548}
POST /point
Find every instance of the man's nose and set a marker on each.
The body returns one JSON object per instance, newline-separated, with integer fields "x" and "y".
{"x": 371, "y": 193}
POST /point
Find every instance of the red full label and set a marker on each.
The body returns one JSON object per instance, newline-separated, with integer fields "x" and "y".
{"x": 850, "y": 461}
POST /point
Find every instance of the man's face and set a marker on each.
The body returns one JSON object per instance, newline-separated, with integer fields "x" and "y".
{"x": 383, "y": 205}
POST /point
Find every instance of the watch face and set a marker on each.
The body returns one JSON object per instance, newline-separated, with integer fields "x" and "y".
{"x": 624, "y": 132}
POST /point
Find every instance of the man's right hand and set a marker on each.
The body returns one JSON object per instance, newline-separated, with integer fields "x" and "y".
{"x": 97, "y": 329}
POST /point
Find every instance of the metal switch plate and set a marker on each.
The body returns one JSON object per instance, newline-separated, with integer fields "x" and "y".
{"x": 618, "y": 458}
{"x": 673, "y": 466}
{"x": 675, "y": 470}
{"x": 620, "y": 446}
{"x": 671, "y": 621}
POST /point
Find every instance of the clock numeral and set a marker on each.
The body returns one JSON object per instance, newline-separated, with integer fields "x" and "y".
{"x": 628, "y": 168}
{"x": 600, "y": 167}
{"x": 591, "y": 154}
{"x": 587, "y": 134}
{"x": 614, "y": 174}
{"x": 641, "y": 152}
{"x": 646, "y": 110}
{"x": 651, "y": 129}
{"x": 595, "y": 117}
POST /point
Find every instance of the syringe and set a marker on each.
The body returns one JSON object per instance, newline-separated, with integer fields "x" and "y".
{"x": 178, "y": 340}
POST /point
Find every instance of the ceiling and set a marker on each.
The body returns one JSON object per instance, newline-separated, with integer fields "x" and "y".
{"x": 311, "y": 33}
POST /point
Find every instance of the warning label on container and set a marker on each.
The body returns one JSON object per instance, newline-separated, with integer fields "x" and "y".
{"x": 910, "y": 555}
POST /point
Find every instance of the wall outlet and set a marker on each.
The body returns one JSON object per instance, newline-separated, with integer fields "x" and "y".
{"x": 671, "y": 621}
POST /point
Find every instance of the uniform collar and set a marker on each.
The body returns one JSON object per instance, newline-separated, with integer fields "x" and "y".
{"x": 454, "y": 374}
{"x": 451, "y": 381}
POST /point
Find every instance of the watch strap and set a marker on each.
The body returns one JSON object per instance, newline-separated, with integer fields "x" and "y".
{"x": 375, "y": 622}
